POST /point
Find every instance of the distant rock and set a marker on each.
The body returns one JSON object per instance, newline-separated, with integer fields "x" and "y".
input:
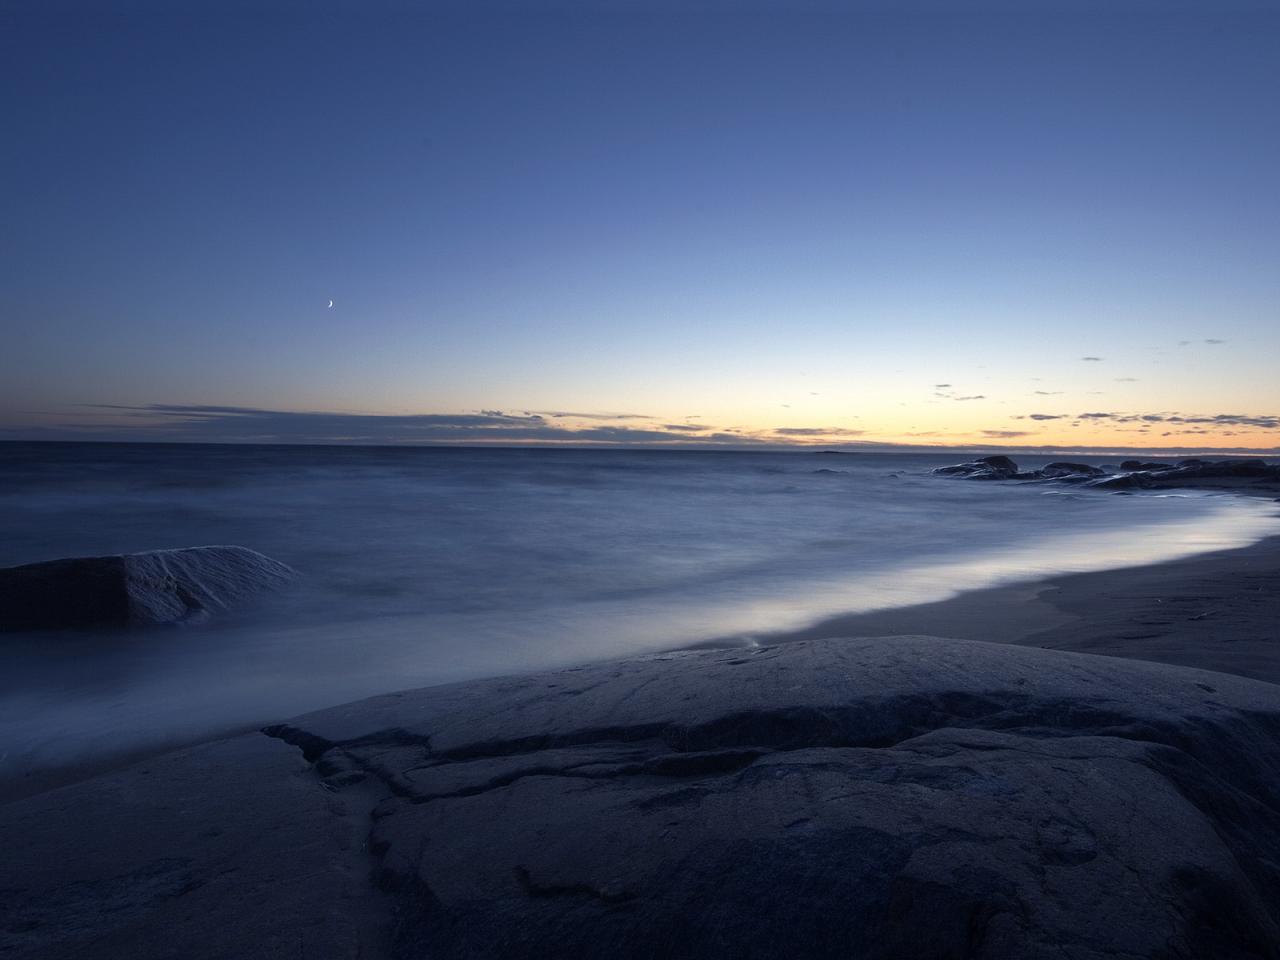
{"x": 1227, "y": 468}
{"x": 984, "y": 468}
{"x": 1057, "y": 471}
{"x": 1135, "y": 475}
{"x": 135, "y": 589}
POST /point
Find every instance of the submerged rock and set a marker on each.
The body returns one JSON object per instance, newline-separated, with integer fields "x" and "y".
{"x": 134, "y": 589}
{"x": 1063, "y": 470}
{"x": 1124, "y": 481}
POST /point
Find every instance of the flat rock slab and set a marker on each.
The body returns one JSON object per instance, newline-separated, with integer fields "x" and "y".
{"x": 890, "y": 797}
{"x": 231, "y": 849}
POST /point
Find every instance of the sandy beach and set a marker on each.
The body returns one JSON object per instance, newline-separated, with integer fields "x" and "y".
{"x": 1219, "y": 611}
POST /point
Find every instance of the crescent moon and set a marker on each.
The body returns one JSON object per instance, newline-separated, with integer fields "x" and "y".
{"x": 330, "y": 304}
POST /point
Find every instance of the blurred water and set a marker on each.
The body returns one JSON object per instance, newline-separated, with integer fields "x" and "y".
{"x": 427, "y": 565}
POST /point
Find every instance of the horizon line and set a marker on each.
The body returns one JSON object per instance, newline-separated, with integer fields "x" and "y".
{"x": 689, "y": 446}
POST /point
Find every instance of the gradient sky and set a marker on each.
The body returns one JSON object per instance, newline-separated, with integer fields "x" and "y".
{"x": 946, "y": 223}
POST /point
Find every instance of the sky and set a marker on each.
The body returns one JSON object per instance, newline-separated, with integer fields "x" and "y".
{"x": 1029, "y": 224}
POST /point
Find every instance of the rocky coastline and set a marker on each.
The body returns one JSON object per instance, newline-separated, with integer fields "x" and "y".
{"x": 880, "y": 798}
{"x": 1129, "y": 475}
{"x": 850, "y": 795}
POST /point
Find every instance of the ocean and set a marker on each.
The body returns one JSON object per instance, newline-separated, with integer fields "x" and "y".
{"x": 427, "y": 565}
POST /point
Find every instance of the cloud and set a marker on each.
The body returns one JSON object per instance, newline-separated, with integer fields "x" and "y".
{"x": 1092, "y": 359}
{"x": 1126, "y": 379}
{"x": 231, "y": 424}
{"x": 228, "y": 424}
{"x": 1048, "y": 393}
{"x": 975, "y": 397}
{"x": 1213, "y": 342}
{"x": 234, "y": 424}
{"x": 1230, "y": 419}
{"x": 817, "y": 432}
{"x": 171, "y": 413}
{"x": 1264, "y": 422}
{"x": 587, "y": 416}
{"x": 941, "y": 386}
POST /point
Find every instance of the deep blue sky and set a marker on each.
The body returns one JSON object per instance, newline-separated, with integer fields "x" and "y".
{"x": 795, "y": 216}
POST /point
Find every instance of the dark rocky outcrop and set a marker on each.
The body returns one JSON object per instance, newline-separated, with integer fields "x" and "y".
{"x": 1064, "y": 470}
{"x": 135, "y": 589}
{"x": 984, "y": 468}
{"x": 868, "y": 798}
{"x": 1222, "y": 468}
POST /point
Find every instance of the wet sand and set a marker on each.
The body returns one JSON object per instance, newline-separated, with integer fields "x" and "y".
{"x": 1218, "y": 611}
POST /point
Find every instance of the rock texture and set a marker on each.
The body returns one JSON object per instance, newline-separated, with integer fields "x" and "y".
{"x": 878, "y": 798}
{"x": 984, "y": 468}
{"x": 1133, "y": 474}
{"x": 1058, "y": 471}
{"x": 230, "y": 850}
{"x": 163, "y": 586}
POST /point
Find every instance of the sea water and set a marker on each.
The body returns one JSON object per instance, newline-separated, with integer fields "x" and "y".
{"x": 427, "y": 565}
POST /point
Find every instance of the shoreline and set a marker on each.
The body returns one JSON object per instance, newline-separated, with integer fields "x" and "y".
{"x": 1213, "y": 611}
{"x": 998, "y": 793}
{"x": 1208, "y": 611}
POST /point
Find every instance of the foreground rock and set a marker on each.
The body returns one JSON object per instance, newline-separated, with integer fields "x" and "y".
{"x": 1133, "y": 474}
{"x": 887, "y": 798}
{"x": 163, "y": 586}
